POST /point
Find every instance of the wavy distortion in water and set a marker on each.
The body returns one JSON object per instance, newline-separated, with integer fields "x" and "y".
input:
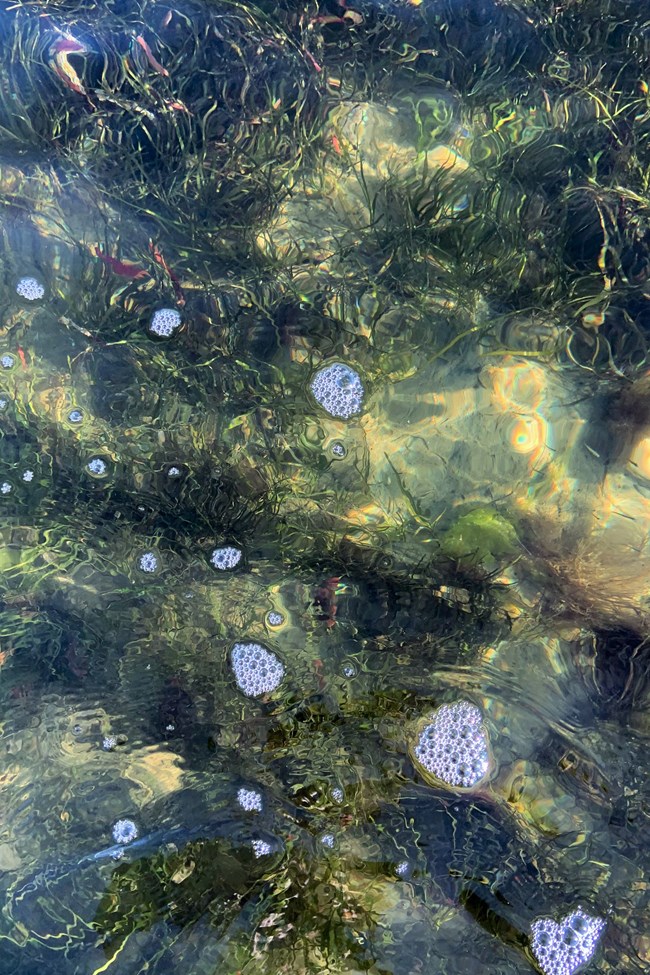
{"x": 325, "y": 487}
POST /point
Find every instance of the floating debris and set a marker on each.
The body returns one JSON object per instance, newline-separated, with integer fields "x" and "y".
{"x": 164, "y": 322}
{"x": 250, "y": 800}
{"x": 339, "y": 390}
{"x": 226, "y": 558}
{"x": 562, "y": 948}
{"x": 257, "y": 670}
{"x": 454, "y": 746}
{"x": 30, "y": 289}
{"x": 125, "y": 831}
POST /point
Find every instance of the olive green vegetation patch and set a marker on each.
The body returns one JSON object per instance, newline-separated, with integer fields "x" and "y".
{"x": 480, "y": 537}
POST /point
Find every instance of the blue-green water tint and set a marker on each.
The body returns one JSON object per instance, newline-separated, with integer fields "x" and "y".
{"x": 218, "y": 202}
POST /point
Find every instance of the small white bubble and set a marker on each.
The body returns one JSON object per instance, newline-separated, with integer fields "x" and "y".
{"x": 5, "y": 487}
{"x": 28, "y": 475}
{"x": 75, "y": 416}
{"x": 174, "y": 472}
{"x": 7, "y": 361}
{"x": 4, "y": 403}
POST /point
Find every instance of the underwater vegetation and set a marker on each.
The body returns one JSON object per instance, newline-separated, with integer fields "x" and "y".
{"x": 325, "y": 486}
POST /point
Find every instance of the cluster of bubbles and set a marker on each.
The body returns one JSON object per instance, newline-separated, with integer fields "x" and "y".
{"x": 174, "y": 472}
{"x": 338, "y": 450}
{"x": 30, "y": 289}
{"x": 561, "y": 949}
{"x": 28, "y": 475}
{"x": 7, "y": 361}
{"x": 125, "y": 831}
{"x": 75, "y": 416}
{"x": 261, "y": 848}
{"x": 337, "y": 794}
{"x": 96, "y": 466}
{"x": 148, "y": 562}
{"x": 249, "y": 800}
{"x": 403, "y": 869}
{"x": 109, "y": 743}
{"x": 454, "y": 746}
{"x": 339, "y": 390}
{"x": 164, "y": 322}
{"x": 5, "y": 487}
{"x": 257, "y": 670}
{"x": 274, "y": 618}
{"x": 226, "y": 558}
{"x": 328, "y": 840}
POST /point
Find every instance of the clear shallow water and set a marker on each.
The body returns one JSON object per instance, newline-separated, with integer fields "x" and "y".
{"x": 450, "y": 201}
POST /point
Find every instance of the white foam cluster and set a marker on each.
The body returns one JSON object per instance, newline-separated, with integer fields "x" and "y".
{"x": 30, "y": 288}
{"x": 28, "y": 476}
{"x": 5, "y": 487}
{"x": 403, "y": 869}
{"x": 454, "y": 746}
{"x": 249, "y": 800}
{"x": 148, "y": 562}
{"x": 328, "y": 840}
{"x": 257, "y": 670}
{"x": 96, "y": 466}
{"x": 261, "y": 848}
{"x": 75, "y": 416}
{"x": 7, "y": 361}
{"x": 562, "y": 948}
{"x": 338, "y": 794}
{"x": 339, "y": 390}
{"x": 274, "y": 618}
{"x": 164, "y": 322}
{"x": 125, "y": 831}
{"x": 109, "y": 743}
{"x": 226, "y": 558}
